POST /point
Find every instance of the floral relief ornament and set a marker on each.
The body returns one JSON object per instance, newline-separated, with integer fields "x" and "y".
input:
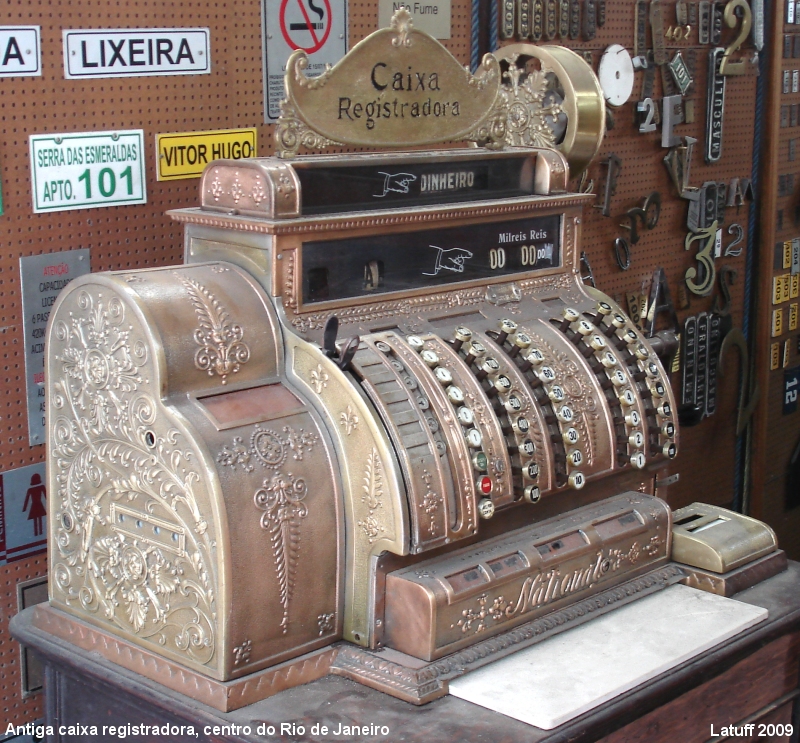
{"x": 108, "y": 446}
{"x": 281, "y": 499}
{"x": 221, "y": 349}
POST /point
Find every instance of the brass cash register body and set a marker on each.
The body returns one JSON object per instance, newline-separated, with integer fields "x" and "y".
{"x": 233, "y": 491}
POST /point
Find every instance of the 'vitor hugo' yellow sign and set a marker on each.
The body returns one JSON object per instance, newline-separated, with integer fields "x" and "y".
{"x": 397, "y": 87}
{"x": 186, "y": 155}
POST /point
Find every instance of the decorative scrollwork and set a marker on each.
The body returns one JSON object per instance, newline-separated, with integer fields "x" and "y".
{"x": 221, "y": 349}
{"x": 372, "y": 496}
{"x": 281, "y": 500}
{"x": 109, "y": 446}
{"x": 532, "y": 109}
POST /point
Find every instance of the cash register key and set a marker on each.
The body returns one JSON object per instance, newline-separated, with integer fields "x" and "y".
{"x": 507, "y": 327}
{"x": 489, "y": 366}
{"x": 474, "y": 438}
{"x": 608, "y": 360}
{"x": 531, "y": 470}
{"x": 546, "y": 374}
{"x": 532, "y": 494}
{"x": 501, "y": 383}
{"x": 597, "y": 342}
{"x": 658, "y": 389}
{"x": 668, "y": 429}
{"x": 556, "y": 393}
{"x": 522, "y": 340}
{"x": 415, "y": 342}
{"x": 456, "y": 394}
{"x": 618, "y": 378}
{"x": 575, "y": 457}
{"x": 480, "y": 461}
{"x": 604, "y": 308}
{"x": 576, "y": 480}
{"x": 565, "y": 414}
{"x": 485, "y": 508}
{"x": 462, "y": 334}
{"x": 443, "y": 375}
{"x": 632, "y": 418}
{"x": 475, "y": 350}
{"x": 630, "y": 337}
{"x": 627, "y": 398}
{"x": 651, "y": 369}
{"x": 465, "y": 416}
{"x": 584, "y": 327}
{"x": 636, "y": 439}
{"x": 526, "y": 448}
{"x": 638, "y": 460}
{"x": 430, "y": 358}
{"x": 642, "y": 352}
{"x": 571, "y": 314}
{"x": 570, "y": 437}
{"x": 619, "y": 321}
{"x": 521, "y": 425}
{"x": 670, "y": 450}
{"x": 512, "y": 404}
{"x": 664, "y": 410}
{"x": 534, "y": 357}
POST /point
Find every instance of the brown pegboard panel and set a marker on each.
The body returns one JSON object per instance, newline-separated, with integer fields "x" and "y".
{"x": 706, "y": 462}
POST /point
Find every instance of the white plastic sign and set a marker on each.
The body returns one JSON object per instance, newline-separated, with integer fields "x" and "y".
{"x": 136, "y": 52}
{"x": 87, "y": 170}
{"x": 20, "y": 51}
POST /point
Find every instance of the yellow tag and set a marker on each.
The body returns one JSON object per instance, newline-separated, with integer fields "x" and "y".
{"x": 794, "y": 291}
{"x": 787, "y": 254}
{"x": 777, "y": 282}
{"x": 676, "y": 362}
{"x": 786, "y": 287}
{"x": 633, "y": 309}
{"x": 793, "y": 316}
{"x": 777, "y": 323}
{"x": 775, "y": 356}
{"x": 186, "y": 155}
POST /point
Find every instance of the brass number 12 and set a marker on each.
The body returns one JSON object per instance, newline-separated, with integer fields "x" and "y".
{"x": 727, "y": 67}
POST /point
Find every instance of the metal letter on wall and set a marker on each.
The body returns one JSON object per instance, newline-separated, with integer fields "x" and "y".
{"x": 42, "y": 278}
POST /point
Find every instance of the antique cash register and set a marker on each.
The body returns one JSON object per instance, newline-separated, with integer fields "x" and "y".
{"x": 376, "y": 424}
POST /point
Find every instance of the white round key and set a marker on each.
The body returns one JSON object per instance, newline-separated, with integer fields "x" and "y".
{"x": 465, "y": 416}
{"x": 456, "y": 394}
{"x": 443, "y": 375}
{"x": 474, "y": 438}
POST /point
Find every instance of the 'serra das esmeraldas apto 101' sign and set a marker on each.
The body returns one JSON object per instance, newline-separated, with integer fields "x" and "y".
{"x": 87, "y": 170}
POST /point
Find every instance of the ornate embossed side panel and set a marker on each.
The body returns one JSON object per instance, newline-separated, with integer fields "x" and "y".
{"x": 134, "y": 545}
{"x": 283, "y": 506}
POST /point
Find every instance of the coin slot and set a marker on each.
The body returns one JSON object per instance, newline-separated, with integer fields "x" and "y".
{"x": 697, "y": 528}
{"x": 688, "y": 519}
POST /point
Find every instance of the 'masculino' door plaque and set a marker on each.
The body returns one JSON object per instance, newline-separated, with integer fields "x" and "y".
{"x": 397, "y": 87}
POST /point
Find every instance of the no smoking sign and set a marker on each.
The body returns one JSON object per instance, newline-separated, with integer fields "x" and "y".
{"x": 318, "y": 27}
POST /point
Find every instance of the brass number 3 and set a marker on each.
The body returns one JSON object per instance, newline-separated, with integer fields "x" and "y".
{"x": 705, "y": 259}
{"x": 727, "y": 67}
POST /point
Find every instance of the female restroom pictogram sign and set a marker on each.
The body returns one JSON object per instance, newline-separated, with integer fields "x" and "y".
{"x": 305, "y": 24}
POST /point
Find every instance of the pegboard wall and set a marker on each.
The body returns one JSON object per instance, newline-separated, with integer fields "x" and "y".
{"x": 232, "y": 97}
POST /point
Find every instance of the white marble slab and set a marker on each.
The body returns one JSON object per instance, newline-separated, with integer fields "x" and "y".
{"x": 562, "y": 677}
